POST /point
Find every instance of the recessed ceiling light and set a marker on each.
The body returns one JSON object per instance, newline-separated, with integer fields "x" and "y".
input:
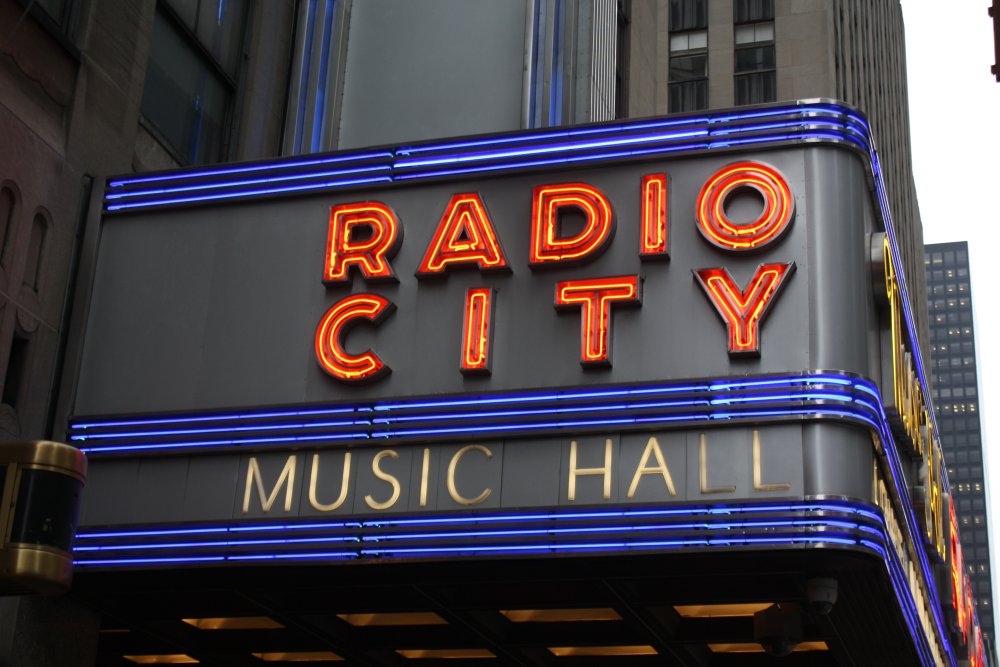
{"x": 721, "y": 610}
{"x": 168, "y": 659}
{"x": 445, "y": 653}
{"x": 752, "y": 647}
{"x": 234, "y": 623}
{"x": 579, "y": 651}
{"x": 560, "y": 615}
{"x": 394, "y": 618}
{"x": 298, "y": 656}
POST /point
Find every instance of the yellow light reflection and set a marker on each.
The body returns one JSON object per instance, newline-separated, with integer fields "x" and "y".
{"x": 168, "y": 659}
{"x": 234, "y": 623}
{"x": 576, "y": 651}
{"x": 445, "y": 653}
{"x": 757, "y": 648}
{"x": 560, "y": 615}
{"x": 721, "y": 610}
{"x": 298, "y": 656}
{"x": 398, "y": 618}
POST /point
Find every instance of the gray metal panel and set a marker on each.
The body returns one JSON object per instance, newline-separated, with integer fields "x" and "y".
{"x": 435, "y": 68}
{"x": 228, "y": 298}
{"x": 530, "y": 473}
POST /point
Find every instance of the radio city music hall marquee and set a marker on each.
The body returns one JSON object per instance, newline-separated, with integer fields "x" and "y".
{"x": 601, "y": 317}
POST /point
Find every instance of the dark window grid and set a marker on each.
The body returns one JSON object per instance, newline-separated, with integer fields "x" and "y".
{"x": 192, "y": 39}
{"x": 59, "y": 18}
{"x": 752, "y": 11}
{"x": 216, "y": 70}
{"x": 688, "y": 15}
{"x": 755, "y": 80}
{"x": 691, "y": 95}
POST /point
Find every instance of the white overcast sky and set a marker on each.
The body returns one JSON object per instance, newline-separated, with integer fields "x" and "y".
{"x": 955, "y": 131}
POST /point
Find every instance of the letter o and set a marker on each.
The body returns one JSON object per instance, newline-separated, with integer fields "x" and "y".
{"x": 719, "y": 230}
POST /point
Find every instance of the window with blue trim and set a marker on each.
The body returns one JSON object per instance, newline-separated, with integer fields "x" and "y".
{"x": 317, "y": 73}
{"x": 194, "y": 59}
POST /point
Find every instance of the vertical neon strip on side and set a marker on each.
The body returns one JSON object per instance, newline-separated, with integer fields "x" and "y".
{"x": 477, "y": 331}
{"x": 655, "y": 240}
{"x": 333, "y": 327}
{"x": 721, "y": 231}
{"x": 547, "y": 246}
{"x": 364, "y": 235}
{"x": 465, "y": 236}
{"x": 743, "y": 310}
{"x": 595, "y": 297}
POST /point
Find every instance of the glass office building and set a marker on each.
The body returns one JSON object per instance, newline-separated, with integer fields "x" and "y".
{"x": 956, "y": 402}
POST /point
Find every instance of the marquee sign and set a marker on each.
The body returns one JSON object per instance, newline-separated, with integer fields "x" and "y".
{"x": 437, "y": 350}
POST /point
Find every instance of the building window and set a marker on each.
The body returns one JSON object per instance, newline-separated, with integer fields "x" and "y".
{"x": 190, "y": 85}
{"x": 8, "y": 207}
{"x": 688, "y": 85}
{"x": 755, "y": 80}
{"x": 17, "y": 362}
{"x": 36, "y": 251}
{"x": 688, "y": 15}
{"x": 317, "y": 74}
{"x": 622, "y": 46}
{"x": 749, "y": 11}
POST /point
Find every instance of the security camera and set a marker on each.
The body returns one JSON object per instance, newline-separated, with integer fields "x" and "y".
{"x": 822, "y": 593}
{"x": 778, "y": 629}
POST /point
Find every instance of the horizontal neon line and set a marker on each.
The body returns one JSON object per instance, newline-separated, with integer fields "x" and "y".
{"x": 248, "y": 169}
{"x": 748, "y": 524}
{"x": 735, "y": 140}
{"x": 620, "y": 141}
{"x": 506, "y": 426}
{"x": 249, "y": 193}
{"x": 562, "y": 396}
{"x": 225, "y": 429}
{"x": 462, "y": 520}
{"x": 254, "y": 181}
{"x": 232, "y": 442}
{"x": 221, "y": 417}
{"x": 619, "y": 545}
{"x": 629, "y": 127}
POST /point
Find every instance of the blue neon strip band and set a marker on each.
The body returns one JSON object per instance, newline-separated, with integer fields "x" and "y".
{"x": 748, "y": 524}
{"x": 616, "y": 142}
{"x": 499, "y": 421}
{"x": 699, "y": 540}
{"x": 562, "y": 394}
{"x": 551, "y": 135}
{"x": 231, "y": 442}
{"x": 292, "y": 164}
{"x": 254, "y": 181}
{"x": 235, "y": 416}
{"x": 803, "y": 123}
{"x": 225, "y": 429}
{"x": 250, "y": 193}
{"x": 517, "y": 517}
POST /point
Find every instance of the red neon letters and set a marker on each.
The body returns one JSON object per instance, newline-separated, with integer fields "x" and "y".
{"x": 654, "y": 240}
{"x": 716, "y": 226}
{"x": 743, "y": 310}
{"x": 547, "y": 246}
{"x": 363, "y": 235}
{"x": 366, "y": 236}
{"x": 595, "y": 297}
{"x": 477, "y": 331}
{"x": 465, "y": 235}
{"x": 332, "y": 328}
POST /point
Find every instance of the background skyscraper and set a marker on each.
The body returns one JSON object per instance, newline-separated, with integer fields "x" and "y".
{"x": 955, "y": 394}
